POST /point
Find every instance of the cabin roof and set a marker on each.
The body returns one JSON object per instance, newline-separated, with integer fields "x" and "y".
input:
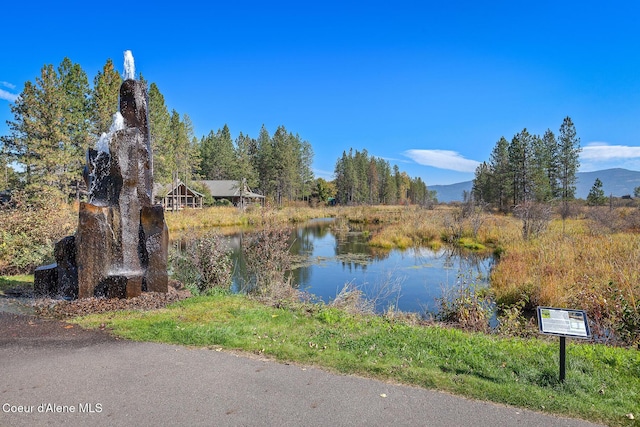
{"x": 230, "y": 188}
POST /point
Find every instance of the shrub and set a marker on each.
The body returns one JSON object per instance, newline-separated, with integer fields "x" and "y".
{"x": 513, "y": 323}
{"x": 268, "y": 260}
{"x": 467, "y": 305}
{"x": 535, "y": 218}
{"x": 352, "y": 300}
{"x": 222, "y": 202}
{"x": 203, "y": 264}
{"x": 29, "y": 232}
{"x": 614, "y": 316}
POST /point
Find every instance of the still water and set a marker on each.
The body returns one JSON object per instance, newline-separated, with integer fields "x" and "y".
{"x": 331, "y": 255}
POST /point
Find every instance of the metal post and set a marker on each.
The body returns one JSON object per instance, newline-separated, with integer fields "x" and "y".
{"x": 562, "y": 358}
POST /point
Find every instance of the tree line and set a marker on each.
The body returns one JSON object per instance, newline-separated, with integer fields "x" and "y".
{"x": 60, "y": 115}
{"x": 364, "y": 179}
{"x": 530, "y": 168}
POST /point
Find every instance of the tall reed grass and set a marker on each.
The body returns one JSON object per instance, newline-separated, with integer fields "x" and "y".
{"x": 229, "y": 216}
{"x": 579, "y": 269}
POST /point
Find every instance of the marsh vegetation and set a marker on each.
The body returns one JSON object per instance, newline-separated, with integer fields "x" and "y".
{"x": 586, "y": 262}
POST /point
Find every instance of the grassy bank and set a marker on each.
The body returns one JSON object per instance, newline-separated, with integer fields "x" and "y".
{"x": 602, "y": 385}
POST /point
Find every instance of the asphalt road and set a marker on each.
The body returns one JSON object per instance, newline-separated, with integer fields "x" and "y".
{"x": 71, "y": 377}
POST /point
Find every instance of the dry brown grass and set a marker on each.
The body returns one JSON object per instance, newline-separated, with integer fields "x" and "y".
{"x": 578, "y": 269}
{"x": 229, "y": 216}
{"x": 28, "y": 234}
{"x": 408, "y": 227}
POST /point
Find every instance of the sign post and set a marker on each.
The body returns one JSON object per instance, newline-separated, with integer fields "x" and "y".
{"x": 563, "y": 323}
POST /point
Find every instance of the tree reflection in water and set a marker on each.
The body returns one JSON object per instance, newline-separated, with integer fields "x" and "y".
{"x": 329, "y": 255}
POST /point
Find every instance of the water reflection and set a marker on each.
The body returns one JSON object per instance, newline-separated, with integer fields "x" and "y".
{"x": 331, "y": 254}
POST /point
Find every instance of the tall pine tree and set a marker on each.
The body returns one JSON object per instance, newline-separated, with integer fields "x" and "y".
{"x": 161, "y": 138}
{"x": 104, "y": 98}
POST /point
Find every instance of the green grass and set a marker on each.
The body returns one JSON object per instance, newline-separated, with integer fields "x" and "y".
{"x": 602, "y": 385}
{"x": 471, "y": 244}
{"x": 8, "y": 282}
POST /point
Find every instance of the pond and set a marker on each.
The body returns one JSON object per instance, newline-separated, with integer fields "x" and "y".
{"x": 333, "y": 254}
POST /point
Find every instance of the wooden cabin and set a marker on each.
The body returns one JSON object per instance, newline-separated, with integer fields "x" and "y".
{"x": 237, "y": 192}
{"x": 177, "y": 196}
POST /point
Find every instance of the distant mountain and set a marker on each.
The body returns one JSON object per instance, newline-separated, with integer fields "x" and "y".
{"x": 617, "y": 182}
{"x": 451, "y": 192}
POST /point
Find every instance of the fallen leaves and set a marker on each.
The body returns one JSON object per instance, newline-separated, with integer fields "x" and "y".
{"x": 81, "y": 307}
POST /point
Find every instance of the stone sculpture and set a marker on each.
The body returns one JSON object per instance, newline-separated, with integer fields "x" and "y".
{"x": 120, "y": 247}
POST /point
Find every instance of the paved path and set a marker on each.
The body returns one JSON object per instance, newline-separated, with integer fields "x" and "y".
{"x": 109, "y": 382}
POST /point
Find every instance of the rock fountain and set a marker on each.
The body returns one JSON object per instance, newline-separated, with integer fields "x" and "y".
{"x": 120, "y": 247}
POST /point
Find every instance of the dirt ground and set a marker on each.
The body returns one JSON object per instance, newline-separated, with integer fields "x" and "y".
{"x": 32, "y": 331}
{"x": 47, "y": 325}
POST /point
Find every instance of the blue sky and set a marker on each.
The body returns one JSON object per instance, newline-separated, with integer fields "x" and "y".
{"x": 430, "y": 86}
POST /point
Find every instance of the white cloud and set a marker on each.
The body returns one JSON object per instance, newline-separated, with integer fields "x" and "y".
{"x": 601, "y": 151}
{"x": 442, "y": 159}
{"x": 393, "y": 159}
{"x": 8, "y": 96}
{"x": 7, "y": 84}
{"x": 324, "y": 174}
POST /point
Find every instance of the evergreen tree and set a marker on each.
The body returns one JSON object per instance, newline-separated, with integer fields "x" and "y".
{"x": 47, "y": 133}
{"x": 482, "y": 189}
{"x": 500, "y": 175}
{"x": 344, "y": 179}
{"x": 189, "y": 161}
{"x": 596, "y": 196}
{"x": 373, "y": 180}
{"x": 161, "y": 142}
{"x": 360, "y": 167}
{"x": 387, "y": 183}
{"x": 403, "y": 183}
{"x": 284, "y": 164}
{"x": 217, "y": 155}
{"x": 45, "y": 136}
{"x": 17, "y": 145}
{"x": 541, "y": 165}
{"x": 520, "y": 166}
{"x": 360, "y": 178}
{"x": 76, "y": 121}
{"x": 307, "y": 177}
{"x": 180, "y": 156}
{"x": 245, "y": 149}
{"x": 104, "y": 99}
{"x": 264, "y": 162}
{"x": 568, "y": 162}
{"x": 418, "y": 192}
{"x": 551, "y": 149}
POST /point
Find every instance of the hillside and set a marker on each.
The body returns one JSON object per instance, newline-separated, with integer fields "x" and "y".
{"x": 616, "y": 182}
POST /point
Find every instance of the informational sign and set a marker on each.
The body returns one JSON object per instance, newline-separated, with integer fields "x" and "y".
{"x": 563, "y": 322}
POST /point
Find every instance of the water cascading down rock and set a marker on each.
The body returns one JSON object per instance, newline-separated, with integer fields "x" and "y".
{"x": 120, "y": 247}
